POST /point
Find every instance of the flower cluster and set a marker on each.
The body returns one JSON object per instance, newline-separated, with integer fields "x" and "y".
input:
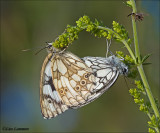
{"x": 84, "y": 23}
{"x": 144, "y": 106}
{"x": 70, "y": 35}
{"x": 136, "y": 93}
{"x": 127, "y": 58}
{"x": 93, "y": 27}
{"x": 122, "y": 33}
{"x": 153, "y": 123}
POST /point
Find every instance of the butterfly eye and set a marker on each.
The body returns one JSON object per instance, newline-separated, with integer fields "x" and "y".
{"x": 125, "y": 71}
{"x": 50, "y": 48}
{"x": 83, "y": 82}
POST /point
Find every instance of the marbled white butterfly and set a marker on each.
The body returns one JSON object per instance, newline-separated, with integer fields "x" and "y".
{"x": 70, "y": 82}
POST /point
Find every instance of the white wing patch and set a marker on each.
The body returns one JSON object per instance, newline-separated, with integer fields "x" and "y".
{"x": 103, "y": 72}
{"x": 61, "y": 67}
{"x": 73, "y": 83}
{"x": 76, "y": 77}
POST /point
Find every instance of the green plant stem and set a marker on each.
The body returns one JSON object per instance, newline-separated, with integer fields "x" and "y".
{"x": 148, "y": 90}
{"x": 123, "y": 41}
{"x": 135, "y": 31}
{"x": 140, "y": 67}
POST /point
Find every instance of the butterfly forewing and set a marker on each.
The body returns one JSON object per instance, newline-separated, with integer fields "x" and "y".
{"x": 50, "y": 101}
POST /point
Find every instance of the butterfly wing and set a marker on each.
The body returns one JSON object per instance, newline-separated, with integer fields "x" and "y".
{"x": 106, "y": 74}
{"x": 50, "y": 101}
{"x": 73, "y": 79}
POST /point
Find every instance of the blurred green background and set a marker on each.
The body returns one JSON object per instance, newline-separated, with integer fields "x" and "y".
{"x": 29, "y": 24}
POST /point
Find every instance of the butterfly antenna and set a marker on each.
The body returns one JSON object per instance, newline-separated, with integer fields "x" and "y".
{"x": 41, "y": 50}
{"x": 25, "y": 50}
{"x": 128, "y": 85}
{"x": 126, "y": 82}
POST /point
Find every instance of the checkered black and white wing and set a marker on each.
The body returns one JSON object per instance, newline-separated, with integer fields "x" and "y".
{"x": 106, "y": 74}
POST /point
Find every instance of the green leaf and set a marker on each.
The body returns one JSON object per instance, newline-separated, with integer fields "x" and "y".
{"x": 128, "y": 3}
{"x": 146, "y": 57}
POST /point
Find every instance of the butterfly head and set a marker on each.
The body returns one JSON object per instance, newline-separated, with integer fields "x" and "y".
{"x": 51, "y": 49}
{"x": 125, "y": 70}
{"x": 116, "y": 62}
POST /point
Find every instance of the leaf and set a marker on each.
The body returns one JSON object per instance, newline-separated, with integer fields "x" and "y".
{"x": 146, "y": 63}
{"x": 146, "y": 57}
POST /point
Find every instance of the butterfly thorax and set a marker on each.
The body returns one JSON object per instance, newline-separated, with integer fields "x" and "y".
{"x": 116, "y": 62}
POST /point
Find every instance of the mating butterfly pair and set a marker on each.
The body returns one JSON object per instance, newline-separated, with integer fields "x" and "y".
{"x": 70, "y": 82}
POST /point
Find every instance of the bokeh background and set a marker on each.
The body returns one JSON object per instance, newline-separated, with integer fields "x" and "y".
{"x": 29, "y": 24}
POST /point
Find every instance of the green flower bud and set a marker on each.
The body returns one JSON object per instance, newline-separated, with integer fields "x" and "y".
{"x": 150, "y": 130}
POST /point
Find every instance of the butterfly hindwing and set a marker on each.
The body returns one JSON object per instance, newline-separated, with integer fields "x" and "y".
{"x": 105, "y": 73}
{"x": 72, "y": 78}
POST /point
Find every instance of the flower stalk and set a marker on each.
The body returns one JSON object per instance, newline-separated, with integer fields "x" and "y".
{"x": 123, "y": 40}
{"x": 140, "y": 67}
{"x": 134, "y": 61}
